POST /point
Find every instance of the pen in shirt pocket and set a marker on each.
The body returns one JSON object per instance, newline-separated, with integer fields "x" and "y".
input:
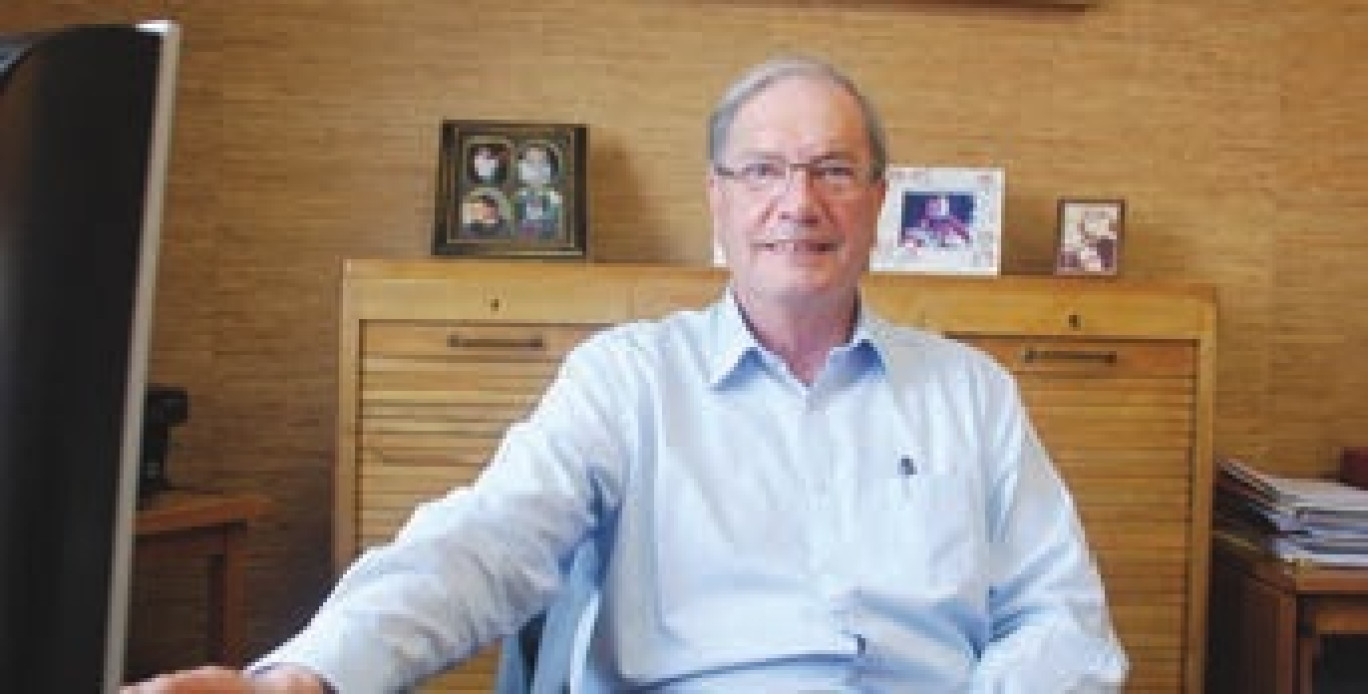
{"x": 907, "y": 469}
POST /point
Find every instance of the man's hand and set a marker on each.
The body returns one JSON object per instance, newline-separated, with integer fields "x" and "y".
{"x": 283, "y": 679}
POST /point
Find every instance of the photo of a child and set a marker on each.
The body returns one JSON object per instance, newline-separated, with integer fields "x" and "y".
{"x": 1089, "y": 237}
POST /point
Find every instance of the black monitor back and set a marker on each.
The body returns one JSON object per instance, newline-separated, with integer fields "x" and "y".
{"x": 83, "y": 133}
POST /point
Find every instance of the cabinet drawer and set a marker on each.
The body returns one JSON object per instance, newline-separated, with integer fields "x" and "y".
{"x": 1102, "y": 358}
{"x": 465, "y": 340}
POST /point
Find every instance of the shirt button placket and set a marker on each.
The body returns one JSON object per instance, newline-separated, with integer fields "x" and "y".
{"x": 824, "y": 523}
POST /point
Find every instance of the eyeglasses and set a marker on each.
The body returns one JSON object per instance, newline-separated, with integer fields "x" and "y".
{"x": 835, "y": 177}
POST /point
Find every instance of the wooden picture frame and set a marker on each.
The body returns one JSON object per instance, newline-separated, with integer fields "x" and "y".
{"x": 1088, "y": 236}
{"x": 511, "y": 190}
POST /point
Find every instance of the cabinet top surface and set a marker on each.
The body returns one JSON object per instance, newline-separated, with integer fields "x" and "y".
{"x": 360, "y": 269}
{"x": 453, "y": 289}
{"x": 1301, "y": 578}
{"x": 176, "y": 510}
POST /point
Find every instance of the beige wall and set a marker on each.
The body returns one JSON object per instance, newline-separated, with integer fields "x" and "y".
{"x": 307, "y": 133}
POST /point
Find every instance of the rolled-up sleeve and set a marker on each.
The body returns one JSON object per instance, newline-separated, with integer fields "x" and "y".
{"x": 1051, "y": 630}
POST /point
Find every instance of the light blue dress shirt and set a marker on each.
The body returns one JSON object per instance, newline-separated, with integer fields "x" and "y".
{"x": 894, "y": 527}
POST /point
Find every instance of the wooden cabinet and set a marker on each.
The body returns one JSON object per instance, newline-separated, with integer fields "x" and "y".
{"x": 438, "y": 357}
{"x": 182, "y": 526}
{"x": 1271, "y": 621}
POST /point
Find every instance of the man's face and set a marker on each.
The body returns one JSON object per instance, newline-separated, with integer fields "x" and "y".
{"x": 1095, "y": 227}
{"x": 536, "y": 168}
{"x": 801, "y": 241}
{"x": 938, "y": 207}
{"x": 489, "y": 212}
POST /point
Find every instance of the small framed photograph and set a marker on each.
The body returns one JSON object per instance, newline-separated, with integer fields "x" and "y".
{"x": 941, "y": 220}
{"x": 511, "y": 190}
{"x": 1089, "y": 236}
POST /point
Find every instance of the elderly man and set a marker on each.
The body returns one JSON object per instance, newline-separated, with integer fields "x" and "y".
{"x": 786, "y": 493}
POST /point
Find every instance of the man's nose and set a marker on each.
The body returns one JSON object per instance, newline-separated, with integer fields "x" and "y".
{"x": 798, "y": 198}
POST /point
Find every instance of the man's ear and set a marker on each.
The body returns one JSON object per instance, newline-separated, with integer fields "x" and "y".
{"x": 881, "y": 190}
{"x": 714, "y": 188}
{"x": 715, "y": 203}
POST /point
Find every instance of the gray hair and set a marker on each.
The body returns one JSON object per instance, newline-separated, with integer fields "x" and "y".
{"x": 762, "y": 76}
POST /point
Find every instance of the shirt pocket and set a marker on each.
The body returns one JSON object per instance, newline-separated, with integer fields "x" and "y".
{"x": 931, "y": 535}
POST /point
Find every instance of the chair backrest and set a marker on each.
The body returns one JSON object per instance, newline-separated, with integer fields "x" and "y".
{"x": 548, "y": 654}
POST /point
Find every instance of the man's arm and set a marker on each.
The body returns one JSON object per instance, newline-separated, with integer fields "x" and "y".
{"x": 1051, "y": 629}
{"x": 470, "y": 567}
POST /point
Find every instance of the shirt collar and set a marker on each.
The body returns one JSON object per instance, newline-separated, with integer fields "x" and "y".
{"x": 733, "y": 343}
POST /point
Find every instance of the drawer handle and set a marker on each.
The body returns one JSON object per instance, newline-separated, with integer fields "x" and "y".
{"x": 531, "y": 344}
{"x": 1031, "y": 354}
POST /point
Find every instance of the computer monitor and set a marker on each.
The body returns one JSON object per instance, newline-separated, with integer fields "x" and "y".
{"x": 85, "y": 118}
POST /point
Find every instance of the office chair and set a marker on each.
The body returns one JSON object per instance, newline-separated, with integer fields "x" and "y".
{"x": 547, "y": 655}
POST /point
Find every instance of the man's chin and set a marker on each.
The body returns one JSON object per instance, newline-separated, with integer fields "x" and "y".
{"x": 802, "y": 282}
{"x": 801, "y": 260}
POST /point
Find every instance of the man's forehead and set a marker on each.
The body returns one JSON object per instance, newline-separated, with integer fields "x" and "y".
{"x": 813, "y": 115}
{"x": 778, "y": 143}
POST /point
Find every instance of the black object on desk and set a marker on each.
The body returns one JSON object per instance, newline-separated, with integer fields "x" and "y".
{"x": 166, "y": 406}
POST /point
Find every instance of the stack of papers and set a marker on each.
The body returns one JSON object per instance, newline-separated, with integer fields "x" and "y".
{"x": 1298, "y": 519}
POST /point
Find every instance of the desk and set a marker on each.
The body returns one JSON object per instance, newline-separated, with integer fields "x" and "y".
{"x": 179, "y": 524}
{"x": 1269, "y": 617}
